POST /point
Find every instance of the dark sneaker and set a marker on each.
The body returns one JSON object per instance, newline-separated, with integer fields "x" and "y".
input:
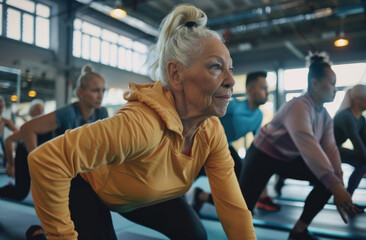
{"x": 279, "y": 184}
{"x": 35, "y": 232}
{"x": 267, "y": 204}
{"x": 305, "y": 235}
{"x": 197, "y": 203}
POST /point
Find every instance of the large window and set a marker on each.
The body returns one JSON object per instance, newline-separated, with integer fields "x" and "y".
{"x": 104, "y": 46}
{"x": 348, "y": 75}
{"x": 25, "y": 20}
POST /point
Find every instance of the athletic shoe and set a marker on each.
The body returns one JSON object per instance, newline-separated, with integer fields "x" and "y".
{"x": 35, "y": 232}
{"x": 279, "y": 184}
{"x": 266, "y": 203}
{"x": 305, "y": 235}
{"x": 197, "y": 203}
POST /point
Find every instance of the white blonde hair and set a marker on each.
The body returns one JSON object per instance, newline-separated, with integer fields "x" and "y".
{"x": 179, "y": 40}
{"x": 358, "y": 90}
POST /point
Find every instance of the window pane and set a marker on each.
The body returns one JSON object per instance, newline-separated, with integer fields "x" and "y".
{"x": 95, "y": 49}
{"x": 139, "y": 47}
{"x": 13, "y": 24}
{"x": 42, "y": 32}
{"x": 126, "y": 42}
{"x": 22, "y": 4}
{"x": 85, "y": 46}
{"x": 349, "y": 74}
{"x": 28, "y": 31}
{"x": 290, "y": 96}
{"x": 109, "y": 36}
{"x": 332, "y": 107}
{"x": 90, "y": 29}
{"x": 129, "y": 60}
{"x": 121, "y": 57}
{"x": 105, "y": 52}
{"x": 136, "y": 62}
{"x": 43, "y": 10}
{"x": 1, "y": 19}
{"x": 113, "y": 55}
{"x": 77, "y": 23}
{"x": 76, "y": 45}
{"x": 143, "y": 66}
{"x": 271, "y": 81}
{"x": 295, "y": 79}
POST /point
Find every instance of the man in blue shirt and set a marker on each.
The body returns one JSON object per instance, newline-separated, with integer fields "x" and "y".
{"x": 241, "y": 118}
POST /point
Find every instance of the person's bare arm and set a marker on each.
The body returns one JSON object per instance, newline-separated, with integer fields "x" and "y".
{"x": 10, "y": 125}
{"x": 16, "y": 136}
{"x": 36, "y": 126}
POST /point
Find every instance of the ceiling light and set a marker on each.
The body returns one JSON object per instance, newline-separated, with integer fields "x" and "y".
{"x": 118, "y": 13}
{"x": 341, "y": 41}
{"x": 14, "y": 98}
{"x": 32, "y": 93}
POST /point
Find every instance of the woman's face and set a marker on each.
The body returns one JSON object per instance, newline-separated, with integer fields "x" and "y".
{"x": 326, "y": 86}
{"x": 208, "y": 82}
{"x": 93, "y": 94}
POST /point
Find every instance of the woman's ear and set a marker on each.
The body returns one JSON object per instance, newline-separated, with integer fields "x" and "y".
{"x": 314, "y": 84}
{"x": 174, "y": 71}
{"x": 78, "y": 92}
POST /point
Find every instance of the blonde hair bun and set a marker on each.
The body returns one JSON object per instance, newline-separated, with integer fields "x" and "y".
{"x": 87, "y": 69}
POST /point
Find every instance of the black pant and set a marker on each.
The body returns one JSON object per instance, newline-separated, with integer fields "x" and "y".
{"x": 22, "y": 179}
{"x": 173, "y": 218}
{"x": 258, "y": 169}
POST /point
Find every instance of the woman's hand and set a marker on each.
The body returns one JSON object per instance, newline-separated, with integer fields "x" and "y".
{"x": 343, "y": 201}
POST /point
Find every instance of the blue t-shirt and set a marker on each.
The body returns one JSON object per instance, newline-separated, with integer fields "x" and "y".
{"x": 69, "y": 117}
{"x": 240, "y": 119}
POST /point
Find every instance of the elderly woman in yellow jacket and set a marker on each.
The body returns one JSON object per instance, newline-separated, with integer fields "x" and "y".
{"x": 141, "y": 161}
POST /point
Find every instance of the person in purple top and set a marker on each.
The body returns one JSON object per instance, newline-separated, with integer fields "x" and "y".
{"x": 299, "y": 143}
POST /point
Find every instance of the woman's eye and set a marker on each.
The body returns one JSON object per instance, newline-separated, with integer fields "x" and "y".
{"x": 216, "y": 66}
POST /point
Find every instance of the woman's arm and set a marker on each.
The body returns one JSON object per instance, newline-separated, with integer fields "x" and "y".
{"x": 10, "y": 125}
{"x": 231, "y": 208}
{"x": 16, "y": 136}
{"x": 55, "y": 163}
{"x": 36, "y": 126}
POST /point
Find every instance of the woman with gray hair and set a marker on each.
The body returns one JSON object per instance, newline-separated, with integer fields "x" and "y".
{"x": 350, "y": 124}
{"x": 140, "y": 162}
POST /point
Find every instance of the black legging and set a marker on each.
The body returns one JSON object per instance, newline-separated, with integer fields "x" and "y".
{"x": 22, "y": 179}
{"x": 258, "y": 169}
{"x": 173, "y": 218}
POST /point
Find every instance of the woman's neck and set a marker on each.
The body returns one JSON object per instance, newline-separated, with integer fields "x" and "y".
{"x": 317, "y": 101}
{"x": 356, "y": 111}
{"x": 85, "y": 110}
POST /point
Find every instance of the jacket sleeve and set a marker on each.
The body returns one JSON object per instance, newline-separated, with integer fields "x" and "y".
{"x": 330, "y": 148}
{"x": 298, "y": 122}
{"x": 55, "y": 163}
{"x": 231, "y": 208}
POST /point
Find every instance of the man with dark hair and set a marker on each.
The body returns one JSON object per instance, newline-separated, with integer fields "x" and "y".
{"x": 241, "y": 118}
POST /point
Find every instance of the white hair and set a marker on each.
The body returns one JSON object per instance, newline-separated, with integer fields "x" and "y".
{"x": 181, "y": 33}
{"x": 357, "y": 91}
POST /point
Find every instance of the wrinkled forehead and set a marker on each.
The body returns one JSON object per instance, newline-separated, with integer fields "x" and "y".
{"x": 215, "y": 47}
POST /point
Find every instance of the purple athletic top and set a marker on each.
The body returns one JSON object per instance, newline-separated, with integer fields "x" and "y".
{"x": 299, "y": 129}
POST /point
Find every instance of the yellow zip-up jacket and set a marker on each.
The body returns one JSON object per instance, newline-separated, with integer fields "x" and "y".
{"x": 134, "y": 159}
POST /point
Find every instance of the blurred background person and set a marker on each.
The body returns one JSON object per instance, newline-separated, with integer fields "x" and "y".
{"x": 349, "y": 123}
{"x": 4, "y": 123}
